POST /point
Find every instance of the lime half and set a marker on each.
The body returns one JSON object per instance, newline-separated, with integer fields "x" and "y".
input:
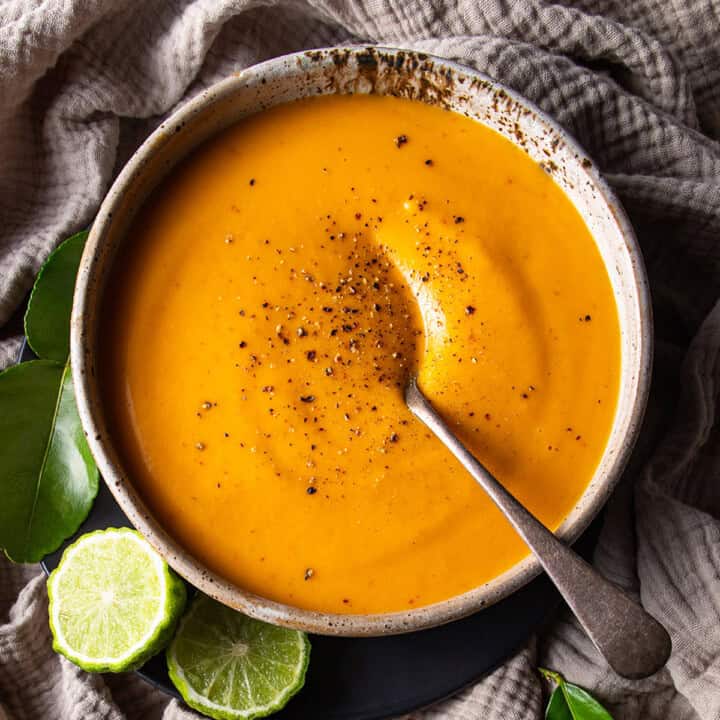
{"x": 229, "y": 666}
{"x": 114, "y": 602}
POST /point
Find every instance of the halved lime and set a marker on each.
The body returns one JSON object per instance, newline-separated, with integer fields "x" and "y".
{"x": 114, "y": 602}
{"x": 231, "y": 667}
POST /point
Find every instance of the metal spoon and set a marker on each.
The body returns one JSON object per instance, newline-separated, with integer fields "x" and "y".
{"x": 634, "y": 644}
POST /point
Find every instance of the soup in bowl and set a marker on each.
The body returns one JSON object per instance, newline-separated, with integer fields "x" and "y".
{"x": 274, "y": 264}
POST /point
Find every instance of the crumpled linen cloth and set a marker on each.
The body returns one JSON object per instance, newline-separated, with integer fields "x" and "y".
{"x": 82, "y": 82}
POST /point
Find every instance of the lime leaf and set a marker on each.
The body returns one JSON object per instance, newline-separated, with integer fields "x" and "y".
{"x": 114, "y": 602}
{"x": 582, "y": 705}
{"x": 557, "y": 708}
{"x": 571, "y": 702}
{"x": 48, "y": 479}
{"x": 231, "y": 667}
{"x": 47, "y": 320}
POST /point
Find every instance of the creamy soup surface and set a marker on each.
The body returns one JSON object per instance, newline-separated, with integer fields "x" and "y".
{"x": 277, "y": 290}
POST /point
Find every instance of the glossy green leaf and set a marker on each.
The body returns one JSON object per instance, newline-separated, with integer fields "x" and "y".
{"x": 48, "y": 479}
{"x": 557, "y": 708}
{"x": 571, "y": 702}
{"x": 47, "y": 320}
{"x": 582, "y": 705}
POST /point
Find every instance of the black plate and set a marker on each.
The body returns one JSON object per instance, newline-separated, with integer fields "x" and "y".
{"x": 374, "y": 678}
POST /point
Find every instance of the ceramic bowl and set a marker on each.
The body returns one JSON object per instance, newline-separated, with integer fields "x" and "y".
{"x": 386, "y": 72}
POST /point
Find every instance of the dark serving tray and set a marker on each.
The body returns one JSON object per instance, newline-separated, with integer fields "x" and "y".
{"x": 374, "y": 678}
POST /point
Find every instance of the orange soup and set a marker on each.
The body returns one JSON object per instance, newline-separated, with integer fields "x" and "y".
{"x": 276, "y": 292}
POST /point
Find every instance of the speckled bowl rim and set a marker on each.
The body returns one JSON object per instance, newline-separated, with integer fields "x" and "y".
{"x": 84, "y": 328}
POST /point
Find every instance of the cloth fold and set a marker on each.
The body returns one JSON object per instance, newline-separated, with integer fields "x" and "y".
{"x": 82, "y": 82}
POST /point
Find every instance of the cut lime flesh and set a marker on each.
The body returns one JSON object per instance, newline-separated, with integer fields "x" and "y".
{"x": 114, "y": 602}
{"x": 231, "y": 667}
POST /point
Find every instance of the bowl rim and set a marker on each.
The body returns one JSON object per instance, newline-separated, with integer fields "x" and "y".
{"x": 83, "y": 337}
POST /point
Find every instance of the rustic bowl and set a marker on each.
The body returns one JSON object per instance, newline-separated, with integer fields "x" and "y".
{"x": 386, "y": 72}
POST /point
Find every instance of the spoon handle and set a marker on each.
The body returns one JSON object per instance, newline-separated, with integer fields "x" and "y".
{"x": 634, "y": 644}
